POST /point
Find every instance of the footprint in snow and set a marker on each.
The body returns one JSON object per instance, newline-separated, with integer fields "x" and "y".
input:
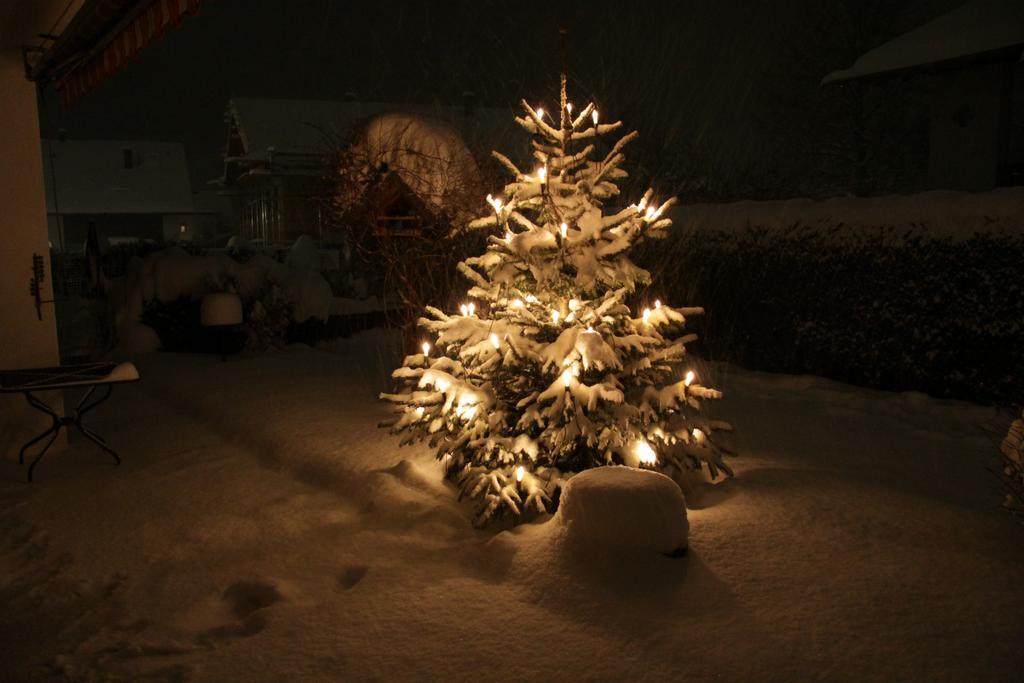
{"x": 352, "y": 575}
{"x": 246, "y": 599}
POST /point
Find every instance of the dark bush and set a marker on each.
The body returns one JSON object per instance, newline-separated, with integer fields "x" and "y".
{"x": 177, "y": 324}
{"x": 314, "y": 330}
{"x": 883, "y": 310}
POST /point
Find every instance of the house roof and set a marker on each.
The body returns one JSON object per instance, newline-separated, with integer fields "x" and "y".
{"x": 982, "y": 30}
{"x": 305, "y": 127}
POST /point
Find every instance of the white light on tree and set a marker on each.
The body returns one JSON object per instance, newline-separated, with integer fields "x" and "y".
{"x": 495, "y": 342}
{"x": 644, "y": 453}
{"x": 426, "y": 348}
{"x": 564, "y": 230}
{"x": 690, "y": 376}
{"x": 540, "y": 112}
{"x": 520, "y": 473}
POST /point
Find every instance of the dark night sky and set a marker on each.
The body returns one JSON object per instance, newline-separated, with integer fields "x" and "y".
{"x": 694, "y": 71}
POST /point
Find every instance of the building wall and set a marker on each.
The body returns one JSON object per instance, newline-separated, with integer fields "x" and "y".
{"x": 969, "y": 137}
{"x": 25, "y": 341}
{"x": 191, "y": 227}
{"x": 116, "y": 176}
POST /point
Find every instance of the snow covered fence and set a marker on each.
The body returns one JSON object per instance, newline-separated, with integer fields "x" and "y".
{"x": 931, "y": 301}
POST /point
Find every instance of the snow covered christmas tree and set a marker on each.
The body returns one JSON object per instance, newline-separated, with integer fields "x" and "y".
{"x": 545, "y": 370}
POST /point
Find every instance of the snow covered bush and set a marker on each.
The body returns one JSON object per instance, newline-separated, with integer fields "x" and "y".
{"x": 1013, "y": 466}
{"x": 546, "y": 370}
{"x": 624, "y": 508}
{"x": 399, "y": 188}
{"x": 888, "y": 309}
{"x": 268, "y": 317}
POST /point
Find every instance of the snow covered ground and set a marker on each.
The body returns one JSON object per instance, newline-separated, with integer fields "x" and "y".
{"x": 262, "y": 528}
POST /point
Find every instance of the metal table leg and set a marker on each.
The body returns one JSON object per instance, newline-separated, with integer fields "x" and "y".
{"x": 54, "y": 426}
{"x": 80, "y": 412}
{"x": 83, "y": 407}
{"x": 54, "y": 429}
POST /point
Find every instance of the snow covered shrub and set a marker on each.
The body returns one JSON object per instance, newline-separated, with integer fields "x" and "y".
{"x": 177, "y": 324}
{"x": 1013, "y": 466}
{"x": 398, "y": 190}
{"x": 885, "y": 309}
{"x": 546, "y": 370}
{"x": 268, "y": 317}
{"x": 266, "y": 320}
{"x": 117, "y": 256}
{"x": 267, "y": 311}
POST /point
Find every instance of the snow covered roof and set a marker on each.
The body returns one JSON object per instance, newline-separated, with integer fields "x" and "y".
{"x": 116, "y": 176}
{"x": 303, "y": 127}
{"x": 983, "y": 29}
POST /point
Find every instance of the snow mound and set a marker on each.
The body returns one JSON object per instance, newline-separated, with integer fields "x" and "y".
{"x": 134, "y": 337}
{"x": 348, "y": 306}
{"x": 252, "y": 276}
{"x": 221, "y": 308}
{"x": 623, "y": 507}
{"x": 304, "y": 254}
{"x": 173, "y": 273}
{"x": 309, "y": 293}
{"x": 240, "y": 242}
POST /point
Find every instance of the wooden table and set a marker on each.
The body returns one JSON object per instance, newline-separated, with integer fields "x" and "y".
{"x": 90, "y": 375}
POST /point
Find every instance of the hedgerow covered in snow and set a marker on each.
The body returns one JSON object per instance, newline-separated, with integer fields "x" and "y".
{"x": 886, "y": 308}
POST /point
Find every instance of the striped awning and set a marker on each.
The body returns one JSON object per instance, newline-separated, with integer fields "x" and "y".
{"x": 104, "y": 36}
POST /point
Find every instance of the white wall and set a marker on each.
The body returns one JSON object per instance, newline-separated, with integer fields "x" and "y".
{"x": 25, "y": 341}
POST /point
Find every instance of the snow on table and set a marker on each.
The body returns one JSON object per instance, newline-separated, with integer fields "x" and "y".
{"x": 263, "y": 529}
